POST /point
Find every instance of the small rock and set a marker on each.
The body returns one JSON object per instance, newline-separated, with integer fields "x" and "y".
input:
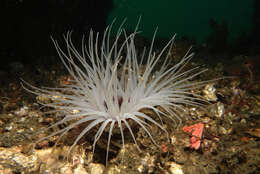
{"x": 209, "y": 92}
{"x": 81, "y": 170}
{"x": 174, "y": 168}
{"x": 217, "y": 110}
{"x": 95, "y": 168}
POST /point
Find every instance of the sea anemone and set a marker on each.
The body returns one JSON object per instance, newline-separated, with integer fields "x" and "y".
{"x": 109, "y": 88}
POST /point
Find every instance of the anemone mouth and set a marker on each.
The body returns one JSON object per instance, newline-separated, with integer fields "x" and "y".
{"x": 103, "y": 99}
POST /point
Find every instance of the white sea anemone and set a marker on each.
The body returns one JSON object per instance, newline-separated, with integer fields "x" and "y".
{"x": 102, "y": 95}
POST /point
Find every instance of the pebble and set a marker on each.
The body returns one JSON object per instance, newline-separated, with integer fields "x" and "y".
{"x": 95, "y": 168}
{"x": 209, "y": 92}
{"x": 174, "y": 168}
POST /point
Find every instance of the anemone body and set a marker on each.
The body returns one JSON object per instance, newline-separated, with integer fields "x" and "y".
{"x": 102, "y": 95}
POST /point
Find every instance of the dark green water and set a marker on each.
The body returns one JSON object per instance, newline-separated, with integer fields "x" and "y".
{"x": 184, "y": 17}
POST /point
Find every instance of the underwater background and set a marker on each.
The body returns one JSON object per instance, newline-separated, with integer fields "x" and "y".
{"x": 186, "y": 18}
{"x": 26, "y": 25}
